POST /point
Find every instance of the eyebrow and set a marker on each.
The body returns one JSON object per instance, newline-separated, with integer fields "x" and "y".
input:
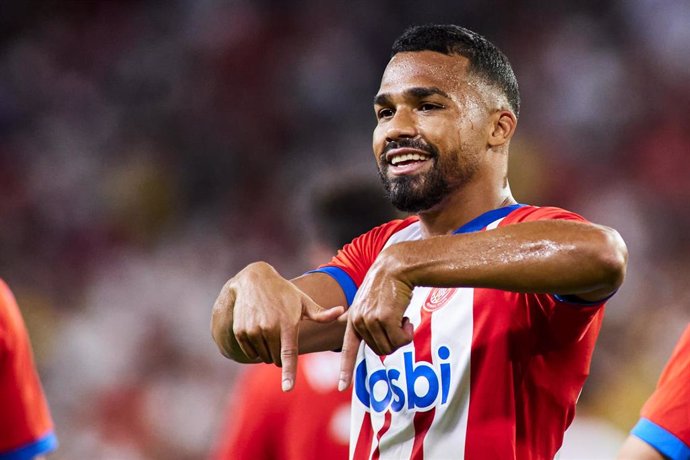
{"x": 418, "y": 92}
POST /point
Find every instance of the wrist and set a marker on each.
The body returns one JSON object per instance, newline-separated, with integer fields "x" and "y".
{"x": 393, "y": 261}
{"x": 254, "y": 273}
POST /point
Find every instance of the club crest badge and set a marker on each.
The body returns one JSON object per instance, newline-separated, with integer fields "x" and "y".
{"x": 437, "y": 298}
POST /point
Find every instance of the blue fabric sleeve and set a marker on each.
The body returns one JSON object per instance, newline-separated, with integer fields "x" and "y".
{"x": 663, "y": 441}
{"x": 346, "y": 283}
{"x": 43, "y": 445}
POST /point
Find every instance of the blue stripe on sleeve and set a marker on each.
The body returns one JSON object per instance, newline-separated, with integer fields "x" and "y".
{"x": 346, "y": 283}
{"x": 572, "y": 299}
{"x": 43, "y": 445}
{"x": 665, "y": 442}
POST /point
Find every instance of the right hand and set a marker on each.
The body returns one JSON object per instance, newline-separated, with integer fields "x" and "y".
{"x": 377, "y": 313}
{"x": 256, "y": 318}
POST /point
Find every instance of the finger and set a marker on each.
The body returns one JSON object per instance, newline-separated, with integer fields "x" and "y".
{"x": 288, "y": 356}
{"x": 408, "y": 328}
{"x": 380, "y": 333}
{"x": 246, "y": 346}
{"x": 399, "y": 334}
{"x": 262, "y": 349}
{"x": 348, "y": 357}
{"x": 273, "y": 345}
{"x": 255, "y": 341}
{"x": 379, "y": 338}
{"x": 362, "y": 330}
{"x": 252, "y": 343}
{"x": 313, "y": 311}
{"x": 267, "y": 355}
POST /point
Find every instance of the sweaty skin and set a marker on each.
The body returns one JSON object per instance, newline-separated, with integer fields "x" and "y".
{"x": 428, "y": 98}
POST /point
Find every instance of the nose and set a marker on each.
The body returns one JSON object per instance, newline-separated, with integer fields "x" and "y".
{"x": 402, "y": 126}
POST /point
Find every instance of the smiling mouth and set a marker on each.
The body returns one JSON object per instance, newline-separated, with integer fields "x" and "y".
{"x": 405, "y": 159}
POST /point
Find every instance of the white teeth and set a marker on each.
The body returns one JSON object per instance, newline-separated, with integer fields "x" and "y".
{"x": 407, "y": 157}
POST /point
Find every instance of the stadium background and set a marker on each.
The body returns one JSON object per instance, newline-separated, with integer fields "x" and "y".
{"x": 148, "y": 150}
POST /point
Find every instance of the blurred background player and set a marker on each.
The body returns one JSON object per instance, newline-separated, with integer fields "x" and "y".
{"x": 313, "y": 420}
{"x": 26, "y": 428}
{"x": 663, "y": 431}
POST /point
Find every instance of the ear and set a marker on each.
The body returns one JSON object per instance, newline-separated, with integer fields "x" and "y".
{"x": 503, "y": 123}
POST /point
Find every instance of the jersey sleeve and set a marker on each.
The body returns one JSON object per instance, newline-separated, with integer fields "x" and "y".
{"x": 665, "y": 417}
{"x": 26, "y": 428}
{"x": 350, "y": 265}
{"x": 567, "y": 318}
{"x": 534, "y": 213}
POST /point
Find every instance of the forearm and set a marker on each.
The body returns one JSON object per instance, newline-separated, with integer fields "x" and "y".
{"x": 560, "y": 257}
{"x": 325, "y": 291}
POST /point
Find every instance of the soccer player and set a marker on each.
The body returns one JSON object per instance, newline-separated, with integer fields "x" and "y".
{"x": 472, "y": 322}
{"x": 312, "y": 420}
{"x": 26, "y": 429}
{"x": 663, "y": 431}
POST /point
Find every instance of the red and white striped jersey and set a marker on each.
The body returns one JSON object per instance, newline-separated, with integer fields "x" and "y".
{"x": 489, "y": 374}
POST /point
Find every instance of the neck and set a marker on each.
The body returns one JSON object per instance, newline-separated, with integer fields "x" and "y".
{"x": 460, "y": 207}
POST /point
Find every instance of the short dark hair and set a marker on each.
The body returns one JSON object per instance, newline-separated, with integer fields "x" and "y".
{"x": 348, "y": 209}
{"x": 486, "y": 60}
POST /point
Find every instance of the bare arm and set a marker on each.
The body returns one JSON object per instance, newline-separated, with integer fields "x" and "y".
{"x": 636, "y": 449}
{"x": 326, "y": 292}
{"x": 261, "y": 316}
{"x": 550, "y": 256}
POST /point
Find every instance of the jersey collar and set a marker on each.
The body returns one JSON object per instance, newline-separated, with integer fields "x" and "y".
{"x": 485, "y": 219}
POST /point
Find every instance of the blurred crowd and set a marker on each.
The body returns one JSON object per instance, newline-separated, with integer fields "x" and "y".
{"x": 149, "y": 150}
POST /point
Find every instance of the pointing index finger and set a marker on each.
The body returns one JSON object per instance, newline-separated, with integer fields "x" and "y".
{"x": 288, "y": 356}
{"x": 348, "y": 356}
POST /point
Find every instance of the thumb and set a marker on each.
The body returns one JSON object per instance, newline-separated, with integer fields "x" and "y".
{"x": 315, "y": 312}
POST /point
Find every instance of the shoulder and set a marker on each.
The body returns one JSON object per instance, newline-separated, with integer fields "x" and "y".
{"x": 383, "y": 232}
{"x": 529, "y": 213}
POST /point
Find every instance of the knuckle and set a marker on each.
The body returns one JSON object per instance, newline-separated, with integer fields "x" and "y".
{"x": 252, "y": 332}
{"x": 346, "y": 349}
{"x": 288, "y": 352}
{"x": 385, "y": 315}
{"x": 240, "y": 335}
{"x": 359, "y": 321}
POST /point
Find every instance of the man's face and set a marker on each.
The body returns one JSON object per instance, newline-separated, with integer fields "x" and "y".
{"x": 429, "y": 138}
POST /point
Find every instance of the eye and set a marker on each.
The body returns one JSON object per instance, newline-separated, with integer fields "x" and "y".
{"x": 428, "y": 107}
{"x": 384, "y": 113}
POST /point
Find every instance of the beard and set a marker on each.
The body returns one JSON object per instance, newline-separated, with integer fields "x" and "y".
{"x": 421, "y": 192}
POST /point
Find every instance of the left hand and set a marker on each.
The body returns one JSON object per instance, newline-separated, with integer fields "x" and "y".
{"x": 376, "y": 315}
